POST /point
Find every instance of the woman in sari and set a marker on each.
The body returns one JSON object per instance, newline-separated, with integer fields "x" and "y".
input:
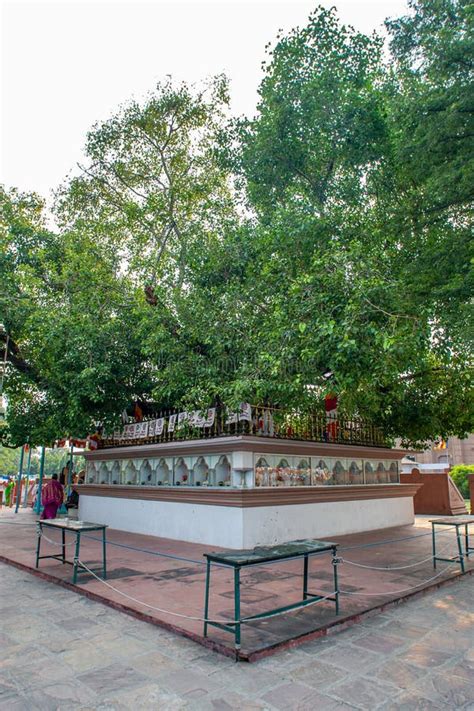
{"x": 52, "y": 497}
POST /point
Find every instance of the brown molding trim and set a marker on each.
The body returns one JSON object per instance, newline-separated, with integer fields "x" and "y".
{"x": 245, "y": 443}
{"x": 245, "y": 498}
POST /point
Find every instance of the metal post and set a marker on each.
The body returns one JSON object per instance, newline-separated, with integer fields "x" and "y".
{"x": 335, "y": 562}
{"x": 38, "y": 544}
{"x": 305, "y": 578}
{"x": 206, "y": 598}
{"x": 461, "y": 555}
{"x": 76, "y": 556}
{"x": 40, "y": 485}
{"x": 69, "y": 474}
{"x": 20, "y": 474}
{"x": 104, "y": 555}
{"x": 28, "y": 470}
{"x": 237, "y": 607}
{"x": 433, "y": 540}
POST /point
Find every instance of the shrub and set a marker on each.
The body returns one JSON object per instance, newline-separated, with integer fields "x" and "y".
{"x": 459, "y": 475}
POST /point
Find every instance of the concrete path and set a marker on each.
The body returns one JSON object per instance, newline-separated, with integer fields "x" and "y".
{"x": 60, "y": 651}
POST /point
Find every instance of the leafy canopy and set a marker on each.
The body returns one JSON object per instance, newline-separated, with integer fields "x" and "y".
{"x": 323, "y": 245}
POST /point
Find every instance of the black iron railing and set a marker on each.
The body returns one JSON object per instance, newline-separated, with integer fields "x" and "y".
{"x": 172, "y": 426}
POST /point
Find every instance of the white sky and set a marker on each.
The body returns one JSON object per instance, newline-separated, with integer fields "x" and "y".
{"x": 70, "y": 63}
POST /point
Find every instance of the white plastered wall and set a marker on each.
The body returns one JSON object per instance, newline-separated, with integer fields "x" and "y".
{"x": 276, "y": 524}
{"x": 197, "y": 523}
{"x": 233, "y": 527}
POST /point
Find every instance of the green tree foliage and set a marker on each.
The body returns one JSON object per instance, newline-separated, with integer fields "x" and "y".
{"x": 55, "y": 460}
{"x": 433, "y": 103}
{"x": 323, "y": 245}
{"x": 460, "y": 476}
{"x": 351, "y": 263}
{"x": 72, "y": 356}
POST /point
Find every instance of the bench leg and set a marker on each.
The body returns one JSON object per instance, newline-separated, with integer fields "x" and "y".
{"x": 466, "y": 539}
{"x": 305, "y": 577}
{"x": 76, "y": 556}
{"x": 336, "y": 580}
{"x": 38, "y": 544}
{"x": 206, "y": 596}
{"x": 460, "y": 550}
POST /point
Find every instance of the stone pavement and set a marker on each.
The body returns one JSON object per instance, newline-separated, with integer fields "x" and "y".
{"x": 61, "y": 651}
{"x": 171, "y": 575}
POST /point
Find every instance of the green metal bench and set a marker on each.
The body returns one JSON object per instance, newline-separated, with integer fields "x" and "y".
{"x": 76, "y": 527}
{"x": 457, "y": 523}
{"x": 238, "y": 559}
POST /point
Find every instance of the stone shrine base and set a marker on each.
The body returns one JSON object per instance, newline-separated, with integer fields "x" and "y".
{"x": 245, "y": 518}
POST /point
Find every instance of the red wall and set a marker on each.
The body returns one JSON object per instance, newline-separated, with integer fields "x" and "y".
{"x": 438, "y": 495}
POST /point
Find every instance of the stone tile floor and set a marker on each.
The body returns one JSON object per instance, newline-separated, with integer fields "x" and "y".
{"x": 61, "y": 651}
{"x": 171, "y": 575}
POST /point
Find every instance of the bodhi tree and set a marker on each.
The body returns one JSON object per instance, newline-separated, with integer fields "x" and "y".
{"x": 351, "y": 288}
{"x": 313, "y": 248}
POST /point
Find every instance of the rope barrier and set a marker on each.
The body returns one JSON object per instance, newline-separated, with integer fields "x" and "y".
{"x": 145, "y": 550}
{"x": 199, "y": 619}
{"x": 56, "y": 543}
{"x": 246, "y": 620}
{"x": 395, "y": 592}
{"x": 201, "y": 562}
{"x": 390, "y": 540}
{"x": 396, "y": 567}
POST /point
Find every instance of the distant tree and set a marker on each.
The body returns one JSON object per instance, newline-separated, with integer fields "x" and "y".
{"x": 460, "y": 475}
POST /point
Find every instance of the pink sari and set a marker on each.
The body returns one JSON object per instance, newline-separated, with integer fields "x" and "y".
{"x": 52, "y": 498}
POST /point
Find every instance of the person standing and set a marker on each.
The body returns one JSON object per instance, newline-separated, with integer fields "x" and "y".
{"x": 33, "y": 492}
{"x": 52, "y": 497}
{"x": 9, "y": 492}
